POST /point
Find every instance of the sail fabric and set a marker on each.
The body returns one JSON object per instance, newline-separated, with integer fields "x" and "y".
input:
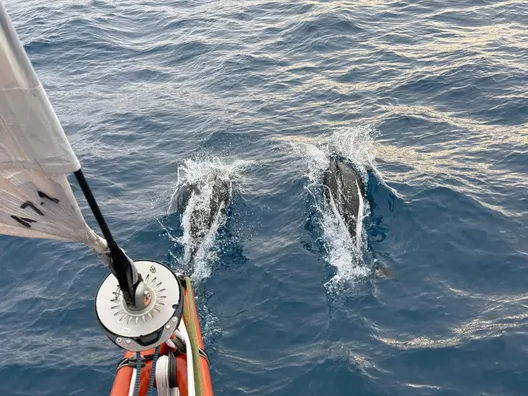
{"x": 31, "y": 136}
{"x": 36, "y": 199}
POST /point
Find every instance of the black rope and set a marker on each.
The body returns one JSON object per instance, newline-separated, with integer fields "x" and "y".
{"x": 132, "y": 361}
{"x": 121, "y": 266}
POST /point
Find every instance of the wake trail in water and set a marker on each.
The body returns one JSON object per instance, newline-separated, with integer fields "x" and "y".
{"x": 346, "y": 253}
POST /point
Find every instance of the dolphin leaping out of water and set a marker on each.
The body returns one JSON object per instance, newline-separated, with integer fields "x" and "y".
{"x": 211, "y": 197}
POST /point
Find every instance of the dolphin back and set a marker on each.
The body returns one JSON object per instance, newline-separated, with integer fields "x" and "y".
{"x": 219, "y": 198}
{"x": 202, "y": 217}
{"x": 344, "y": 187}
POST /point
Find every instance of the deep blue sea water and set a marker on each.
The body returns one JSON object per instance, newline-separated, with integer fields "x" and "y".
{"x": 428, "y": 98}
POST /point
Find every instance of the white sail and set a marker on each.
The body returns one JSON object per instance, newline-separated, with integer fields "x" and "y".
{"x": 36, "y": 199}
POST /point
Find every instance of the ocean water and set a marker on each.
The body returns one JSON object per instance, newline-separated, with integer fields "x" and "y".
{"x": 428, "y": 100}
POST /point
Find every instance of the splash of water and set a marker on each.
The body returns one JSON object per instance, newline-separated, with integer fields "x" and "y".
{"x": 344, "y": 252}
{"x": 199, "y": 239}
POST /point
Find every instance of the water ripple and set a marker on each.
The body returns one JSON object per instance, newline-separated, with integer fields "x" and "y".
{"x": 141, "y": 86}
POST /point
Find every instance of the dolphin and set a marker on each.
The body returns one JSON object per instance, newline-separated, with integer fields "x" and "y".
{"x": 344, "y": 192}
{"x": 204, "y": 215}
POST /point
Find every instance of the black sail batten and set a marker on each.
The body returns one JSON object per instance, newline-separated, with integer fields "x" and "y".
{"x": 120, "y": 265}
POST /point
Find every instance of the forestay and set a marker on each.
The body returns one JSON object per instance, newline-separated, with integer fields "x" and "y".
{"x": 36, "y": 199}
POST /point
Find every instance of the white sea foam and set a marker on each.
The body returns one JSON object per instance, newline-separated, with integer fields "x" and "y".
{"x": 202, "y": 174}
{"x": 344, "y": 252}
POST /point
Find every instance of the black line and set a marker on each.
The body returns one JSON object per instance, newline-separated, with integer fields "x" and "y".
{"x": 44, "y": 195}
{"x": 120, "y": 264}
{"x": 29, "y": 203}
{"x": 24, "y": 221}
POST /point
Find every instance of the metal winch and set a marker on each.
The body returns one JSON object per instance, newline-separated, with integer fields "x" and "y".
{"x": 155, "y": 316}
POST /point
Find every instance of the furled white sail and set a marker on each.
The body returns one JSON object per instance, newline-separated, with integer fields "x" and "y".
{"x": 36, "y": 199}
